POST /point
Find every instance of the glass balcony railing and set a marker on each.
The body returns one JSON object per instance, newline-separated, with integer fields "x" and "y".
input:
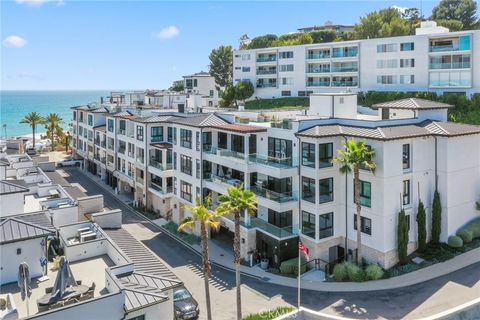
{"x": 265, "y": 227}
{"x": 159, "y": 165}
{"x": 280, "y": 197}
{"x": 225, "y": 180}
{"x": 266, "y": 85}
{"x": 139, "y": 179}
{"x": 266, "y": 58}
{"x": 162, "y": 190}
{"x": 274, "y": 162}
{"x": 318, "y": 70}
{"x": 225, "y": 153}
{"x": 272, "y": 71}
{"x": 140, "y": 159}
{"x": 344, "y": 83}
{"x": 443, "y": 48}
{"x": 318, "y": 84}
{"x": 317, "y": 55}
{"x": 451, "y": 83}
{"x": 345, "y": 69}
{"x": 344, "y": 53}
{"x": 122, "y": 131}
{"x": 448, "y": 65}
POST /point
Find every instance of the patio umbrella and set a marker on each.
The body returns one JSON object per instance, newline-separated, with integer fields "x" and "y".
{"x": 24, "y": 283}
{"x": 64, "y": 278}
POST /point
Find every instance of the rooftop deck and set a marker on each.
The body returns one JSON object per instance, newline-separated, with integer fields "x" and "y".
{"x": 88, "y": 271}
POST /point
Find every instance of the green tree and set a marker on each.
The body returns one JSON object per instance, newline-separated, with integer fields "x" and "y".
{"x": 237, "y": 201}
{"x": 228, "y": 97}
{"x": 244, "y": 90}
{"x": 452, "y": 25}
{"x": 322, "y": 36}
{"x": 33, "y": 119}
{"x": 356, "y": 155}
{"x": 264, "y": 41}
{"x": 383, "y": 23}
{"x": 177, "y": 86}
{"x": 292, "y": 39}
{"x": 421, "y": 227}
{"x": 208, "y": 220}
{"x": 221, "y": 65}
{"x": 402, "y": 237}
{"x": 53, "y": 124}
{"x": 436, "y": 218}
{"x": 461, "y": 10}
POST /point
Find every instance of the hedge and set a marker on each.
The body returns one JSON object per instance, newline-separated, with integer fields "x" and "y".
{"x": 278, "y": 103}
{"x": 291, "y": 267}
{"x": 373, "y": 272}
{"x": 455, "y": 242}
{"x": 466, "y": 235}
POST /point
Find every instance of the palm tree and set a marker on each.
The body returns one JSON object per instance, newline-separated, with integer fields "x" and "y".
{"x": 207, "y": 219}
{"x": 355, "y": 156}
{"x": 33, "y": 119}
{"x": 52, "y": 123}
{"x": 236, "y": 201}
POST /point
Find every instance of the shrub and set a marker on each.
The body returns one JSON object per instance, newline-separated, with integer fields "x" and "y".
{"x": 354, "y": 272}
{"x": 455, "y": 242}
{"x": 422, "y": 231}
{"x": 436, "y": 218}
{"x": 474, "y": 228}
{"x": 340, "y": 272}
{"x": 402, "y": 237}
{"x": 373, "y": 272}
{"x": 291, "y": 267}
{"x": 466, "y": 235}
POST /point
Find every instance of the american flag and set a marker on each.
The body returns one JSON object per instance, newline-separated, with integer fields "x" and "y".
{"x": 304, "y": 249}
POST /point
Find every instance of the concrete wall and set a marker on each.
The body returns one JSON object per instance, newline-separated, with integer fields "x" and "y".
{"x": 90, "y": 204}
{"x": 47, "y": 166}
{"x": 11, "y": 204}
{"x": 108, "y": 219}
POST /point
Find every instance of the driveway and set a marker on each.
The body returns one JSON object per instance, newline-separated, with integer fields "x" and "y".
{"x": 413, "y": 302}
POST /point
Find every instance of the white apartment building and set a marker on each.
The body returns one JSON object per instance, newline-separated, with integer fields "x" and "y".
{"x": 201, "y": 86}
{"x": 167, "y": 159}
{"x": 432, "y": 60}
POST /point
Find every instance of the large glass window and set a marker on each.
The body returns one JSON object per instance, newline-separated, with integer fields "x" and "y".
{"x": 186, "y": 191}
{"x": 207, "y": 141}
{"x": 407, "y": 46}
{"x": 325, "y": 155}
{"x": 172, "y": 135}
{"x": 280, "y": 150}
{"x": 156, "y": 134}
{"x": 186, "y": 138}
{"x": 123, "y": 127}
{"x": 308, "y": 189}
{"x": 406, "y": 156}
{"x": 365, "y": 194}
{"x": 280, "y": 219}
{"x": 326, "y": 190}
{"x": 366, "y": 224}
{"x": 406, "y": 192}
{"x": 110, "y": 125}
{"x": 325, "y": 225}
{"x": 140, "y": 133}
{"x": 308, "y": 224}
{"x": 90, "y": 120}
{"x": 238, "y": 143}
{"x": 186, "y": 164}
{"x": 222, "y": 140}
{"x": 308, "y": 154}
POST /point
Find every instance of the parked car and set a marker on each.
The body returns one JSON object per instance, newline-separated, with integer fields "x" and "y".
{"x": 69, "y": 162}
{"x": 31, "y": 151}
{"x": 185, "y": 306}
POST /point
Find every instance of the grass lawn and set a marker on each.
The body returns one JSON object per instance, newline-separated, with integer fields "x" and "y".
{"x": 278, "y": 103}
{"x": 270, "y": 314}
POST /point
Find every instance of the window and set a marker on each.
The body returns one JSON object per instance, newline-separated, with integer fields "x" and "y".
{"x": 110, "y": 125}
{"x": 365, "y": 194}
{"x": 186, "y": 164}
{"x": 286, "y": 67}
{"x": 174, "y": 161}
{"x": 386, "y": 79}
{"x": 407, "y": 63}
{"x": 75, "y": 115}
{"x": 246, "y": 56}
{"x": 195, "y": 82}
{"x": 308, "y": 154}
{"x": 326, "y": 190}
{"x": 140, "y": 133}
{"x": 156, "y": 134}
{"x": 386, "y": 64}
{"x": 286, "y": 93}
{"x": 280, "y": 150}
{"x": 308, "y": 224}
{"x": 81, "y": 117}
{"x": 197, "y": 140}
{"x": 197, "y": 169}
{"x": 238, "y": 143}
{"x": 142, "y": 317}
{"x": 186, "y": 138}
{"x": 211, "y": 93}
{"x": 366, "y": 224}
{"x": 407, "y": 46}
{"x": 188, "y": 83}
{"x": 280, "y": 219}
{"x": 222, "y": 140}
{"x": 285, "y": 55}
{"x": 90, "y": 120}
{"x": 245, "y": 69}
{"x": 406, "y": 156}
{"x": 123, "y": 127}
{"x": 325, "y": 225}
{"x": 308, "y": 189}
{"x": 407, "y": 218}
{"x": 325, "y": 155}
{"x": 406, "y": 192}
{"x": 407, "y": 79}
{"x": 391, "y": 47}
{"x": 186, "y": 191}
{"x": 287, "y": 81}
{"x": 172, "y": 135}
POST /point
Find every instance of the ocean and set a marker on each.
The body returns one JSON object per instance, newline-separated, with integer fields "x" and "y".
{"x": 16, "y": 104}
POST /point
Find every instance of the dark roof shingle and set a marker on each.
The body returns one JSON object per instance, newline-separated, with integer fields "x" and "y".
{"x": 12, "y": 229}
{"x": 8, "y": 188}
{"x": 412, "y": 104}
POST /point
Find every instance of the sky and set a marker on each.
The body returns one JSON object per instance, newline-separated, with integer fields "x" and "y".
{"x": 85, "y": 45}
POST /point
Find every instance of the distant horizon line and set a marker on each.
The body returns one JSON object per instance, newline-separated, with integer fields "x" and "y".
{"x": 2, "y": 90}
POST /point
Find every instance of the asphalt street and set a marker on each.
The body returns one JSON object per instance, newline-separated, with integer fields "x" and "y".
{"x": 413, "y": 302}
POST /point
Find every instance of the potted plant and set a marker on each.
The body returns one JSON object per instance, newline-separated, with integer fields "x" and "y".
{"x": 264, "y": 263}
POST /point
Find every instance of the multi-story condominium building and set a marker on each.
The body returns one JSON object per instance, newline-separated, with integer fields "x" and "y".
{"x": 432, "y": 60}
{"x": 203, "y": 85}
{"x": 168, "y": 159}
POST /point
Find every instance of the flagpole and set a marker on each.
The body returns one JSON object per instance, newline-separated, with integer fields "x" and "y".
{"x": 299, "y": 271}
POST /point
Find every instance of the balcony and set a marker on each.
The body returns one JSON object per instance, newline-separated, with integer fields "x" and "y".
{"x": 225, "y": 153}
{"x": 444, "y": 48}
{"x": 160, "y": 189}
{"x": 451, "y": 83}
{"x": 344, "y": 83}
{"x": 280, "y": 197}
{"x": 139, "y": 179}
{"x": 318, "y": 69}
{"x": 121, "y": 150}
{"x": 319, "y": 55}
{"x": 156, "y": 139}
{"x": 282, "y": 163}
{"x": 265, "y": 227}
{"x": 103, "y": 144}
{"x": 318, "y": 84}
{"x": 224, "y": 180}
{"x": 130, "y": 174}
{"x": 122, "y": 131}
{"x": 345, "y": 69}
{"x": 262, "y": 72}
{"x": 266, "y": 85}
{"x": 452, "y": 65}
{"x": 344, "y": 53}
{"x": 266, "y": 58}
{"x": 140, "y": 160}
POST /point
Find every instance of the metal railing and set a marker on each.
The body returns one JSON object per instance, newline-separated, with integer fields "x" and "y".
{"x": 344, "y": 83}
{"x": 273, "y": 71}
{"x": 318, "y": 70}
{"x": 267, "y": 59}
{"x": 274, "y": 162}
{"x": 225, "y": 153}
{"x": 224, "y": 180}
{"x": 266, "y": 85}
{"x": 162, "y": 190}
{"x": 159, "y": 165}
{"x": 280, "y": 197}
{"x": 318, "y": 56}
{"x": 318, "y": 84}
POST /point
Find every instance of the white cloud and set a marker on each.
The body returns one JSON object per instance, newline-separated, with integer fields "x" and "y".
{"x": 14, "y": 42}
{"x": 399, "y": 9}
{"x": 168, "y": 33}
{"x": 37, "y": 3}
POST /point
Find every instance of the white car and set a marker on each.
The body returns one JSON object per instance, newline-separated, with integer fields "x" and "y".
{"x": 69, "y": 163}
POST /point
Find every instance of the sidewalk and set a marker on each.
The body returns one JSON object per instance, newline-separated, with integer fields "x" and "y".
{"x": 224, "y": 259}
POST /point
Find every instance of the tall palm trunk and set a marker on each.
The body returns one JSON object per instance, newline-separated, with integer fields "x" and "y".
{"x": 356, "y": 178}
{"x": 33, "y": 133}
{"x": 206, "y": 268}
{"x": 236, "y": 246}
